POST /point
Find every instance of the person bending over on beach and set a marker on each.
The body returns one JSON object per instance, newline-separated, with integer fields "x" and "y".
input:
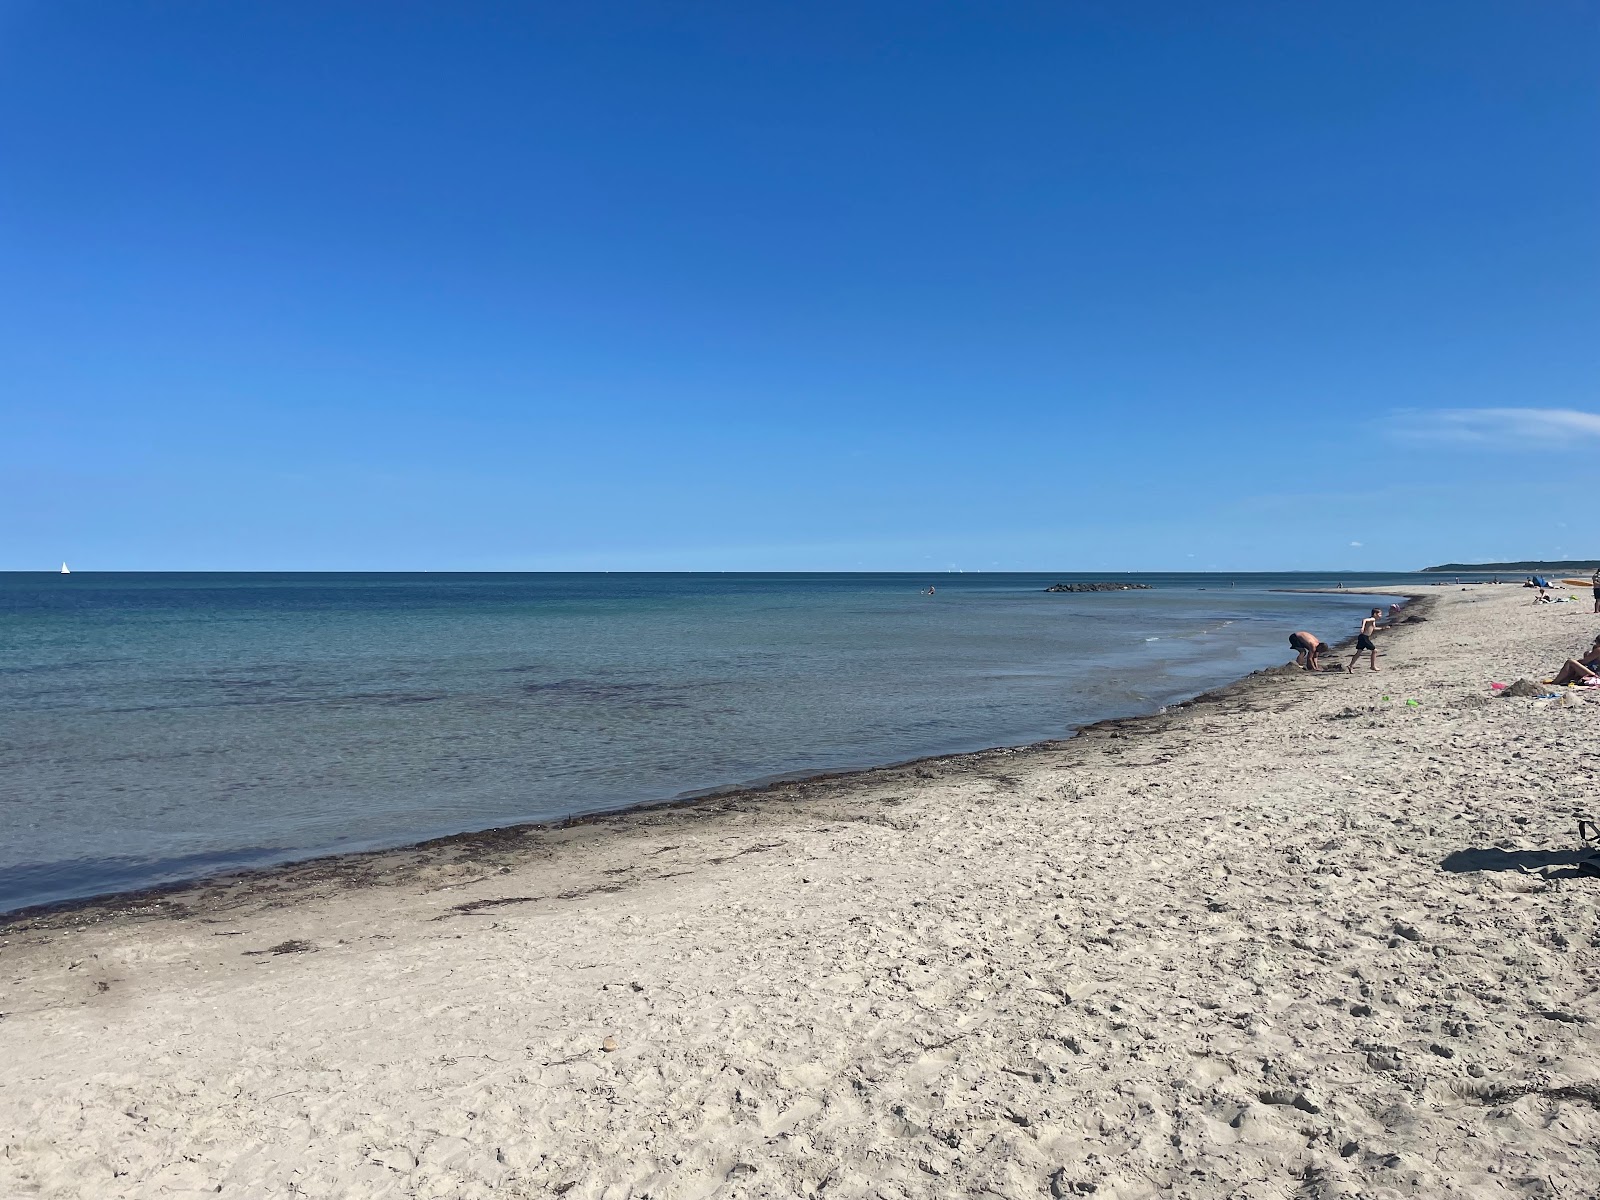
{"x": 1577, "y": 670}
{"x": 1306, "y": 647}
{"x": 1364, "y": 641}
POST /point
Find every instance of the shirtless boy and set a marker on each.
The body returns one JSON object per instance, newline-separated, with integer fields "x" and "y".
{"x": 1306, "y": 646}
{"x": 1364, "y": 642}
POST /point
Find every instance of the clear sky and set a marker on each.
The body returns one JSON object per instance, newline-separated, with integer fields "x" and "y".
{"x": 1057, "y": 285}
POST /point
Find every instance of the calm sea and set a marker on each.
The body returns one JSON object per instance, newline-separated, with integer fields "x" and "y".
{"x": 162, "y": 726}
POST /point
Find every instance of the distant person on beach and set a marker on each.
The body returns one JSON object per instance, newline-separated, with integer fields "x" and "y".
{"x": 1364, "y": 641}
{"x": 1595, "y": 580}
{"x": 1394, "y": 611}
{"x": 1307, "y": 646}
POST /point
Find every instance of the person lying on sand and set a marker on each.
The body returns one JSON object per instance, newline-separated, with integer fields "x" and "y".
{"x": 1306, "y": 647}
{"x": 1577, "y": 670}
{"x": 1364, "y": 641}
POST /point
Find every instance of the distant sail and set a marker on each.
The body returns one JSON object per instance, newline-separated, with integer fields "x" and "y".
{"x": 65, "y": 570}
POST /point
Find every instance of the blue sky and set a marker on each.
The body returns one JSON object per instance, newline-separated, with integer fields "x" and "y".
{"x": 1056, "y": 286}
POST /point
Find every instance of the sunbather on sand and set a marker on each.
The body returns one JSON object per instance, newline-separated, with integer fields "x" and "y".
{"x": 1577, "y": 670}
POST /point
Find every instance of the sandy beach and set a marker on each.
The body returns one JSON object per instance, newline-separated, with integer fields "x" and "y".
{"x": 1298, "y": 938}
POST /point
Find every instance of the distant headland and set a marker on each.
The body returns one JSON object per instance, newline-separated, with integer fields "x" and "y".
{"x": 1565, "y": 564}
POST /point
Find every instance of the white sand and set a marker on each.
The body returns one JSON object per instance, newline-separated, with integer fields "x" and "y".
{"x": 1212, "y": 954}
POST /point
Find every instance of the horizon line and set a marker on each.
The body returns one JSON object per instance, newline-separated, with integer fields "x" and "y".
{"x": 1479, "y": 568}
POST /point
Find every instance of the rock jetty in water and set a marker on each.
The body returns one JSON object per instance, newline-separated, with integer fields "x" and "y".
{"x": 1100, "y": 587}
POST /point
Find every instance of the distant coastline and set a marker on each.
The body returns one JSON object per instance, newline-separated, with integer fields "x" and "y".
{"x": 1566, "y": 564}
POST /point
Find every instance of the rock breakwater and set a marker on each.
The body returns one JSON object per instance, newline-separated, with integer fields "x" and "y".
{"x": 1100, "y": 587}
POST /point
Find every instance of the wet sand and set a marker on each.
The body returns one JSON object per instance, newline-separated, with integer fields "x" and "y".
{"x": 1278, "y": 941}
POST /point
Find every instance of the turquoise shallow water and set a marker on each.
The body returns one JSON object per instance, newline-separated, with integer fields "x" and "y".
{"x": 161, "y": 726}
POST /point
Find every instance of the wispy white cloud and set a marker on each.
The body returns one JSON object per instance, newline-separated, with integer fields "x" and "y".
{"x": 1356, "y": 544}
{"x": 1497, "y": 428}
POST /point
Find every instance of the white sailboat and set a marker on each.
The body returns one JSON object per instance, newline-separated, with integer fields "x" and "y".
{"x": 66, "y": 570}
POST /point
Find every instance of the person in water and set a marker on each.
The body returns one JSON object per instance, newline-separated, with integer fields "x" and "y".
{"x": 1307, "y": 646}
{"x": 1364, "y": 642}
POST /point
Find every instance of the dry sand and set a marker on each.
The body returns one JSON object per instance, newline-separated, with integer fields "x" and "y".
{"x": 1273, "y": 944}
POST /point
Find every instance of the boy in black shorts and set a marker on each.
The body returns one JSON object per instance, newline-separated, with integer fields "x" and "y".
{"x": 1307, "y": 646}
{"x": 1364, "y": 641}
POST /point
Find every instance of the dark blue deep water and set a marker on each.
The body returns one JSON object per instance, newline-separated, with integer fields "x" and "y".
{"x": 162, "y": 726}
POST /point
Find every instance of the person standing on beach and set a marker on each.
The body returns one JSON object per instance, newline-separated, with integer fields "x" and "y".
{"x": 1306, "y": 646}
{"x": 1364, "y": 642}
{"x": 1595, "y": 580}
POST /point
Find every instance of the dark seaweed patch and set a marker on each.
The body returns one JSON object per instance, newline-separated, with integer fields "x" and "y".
{"x": 292, "y": 946}
{"x": 595, "y": 691}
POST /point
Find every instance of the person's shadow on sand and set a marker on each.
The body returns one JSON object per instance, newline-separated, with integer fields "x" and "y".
{"x": 1581, "y": 862}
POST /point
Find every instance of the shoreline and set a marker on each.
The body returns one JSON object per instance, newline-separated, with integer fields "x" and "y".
{"x": 358, "y": 867}
{"x": 1325, "y": 936}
